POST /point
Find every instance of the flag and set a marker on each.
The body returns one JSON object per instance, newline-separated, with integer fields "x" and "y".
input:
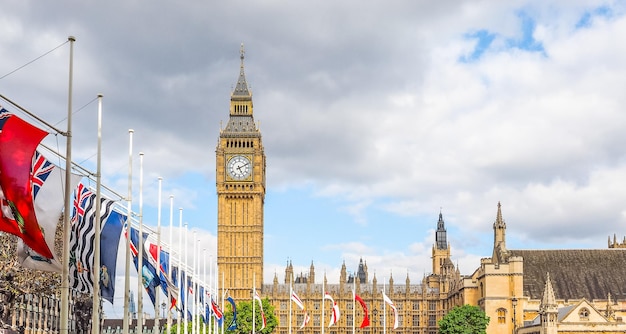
{"x": 258, "y": 299}
{"x": 305, "y": 320}
{"x": 48, "y": 182}
{"x": 111, "y": 232}
{"x": 233, "y": 323}
{"x": 393, "y": 307}
{"x": 366, "y": 319}
{"x": 296, "y": 299}
{"x": 217, "y": 312}
{"x": 168, "y": 287}
{"x": 148, "y": 273}
{"x": 82, "y": 237}
{"x": 334, "y": 316}
{"x": 18, "y": 142}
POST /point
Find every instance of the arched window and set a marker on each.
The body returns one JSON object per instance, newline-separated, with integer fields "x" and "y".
{"x": 501, "y": 315}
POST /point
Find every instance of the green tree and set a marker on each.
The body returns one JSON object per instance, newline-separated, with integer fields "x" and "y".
{"x": 464, "y": 319}
{"x": 244, "y": 318}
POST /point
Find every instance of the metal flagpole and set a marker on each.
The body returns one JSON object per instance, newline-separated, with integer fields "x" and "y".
{"x": 158, "y": 261}
{"x": 140, "y": 252}
{"x": 223, "y": 292}
{"x": 209, "y": 321}
{"x": 126, "y": 321}
{"x": 206, "y": 287}
{"x": 384, "y": 310}
{"x": 253, "y": 301}
{"x": 186, "y": 308}
{"x": 180, "y": 270}
{"x": 169, "y": 266}
{"x": 290, "y": 295}
{"x": 323, "y": 295}
{"x": 354, "y": 300}
{"x": 65, "y": 271}
{"x": 95, "y": 314}
{"x": 196, "y": 288}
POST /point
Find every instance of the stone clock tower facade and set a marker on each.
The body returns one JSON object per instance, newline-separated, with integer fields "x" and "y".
{"x": 240, "y": 181}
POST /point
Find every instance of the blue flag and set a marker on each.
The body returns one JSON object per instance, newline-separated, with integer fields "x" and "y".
{"x": 233, "y": 323}
{"x": 148, "y": 273}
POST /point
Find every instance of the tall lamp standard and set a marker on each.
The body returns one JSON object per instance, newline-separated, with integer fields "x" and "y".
{"x": 375, "y": 313}
{"x": 514, "y": 303}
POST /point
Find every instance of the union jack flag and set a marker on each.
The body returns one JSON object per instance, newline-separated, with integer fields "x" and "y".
{"x": 40, "y": 171}
{"x": 217, "y": 312}
{"x": 82, "y": 196}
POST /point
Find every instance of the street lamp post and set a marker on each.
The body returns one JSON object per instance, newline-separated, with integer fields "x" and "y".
{"x": 375, "y": 313}
{"x": 514, "y": 303}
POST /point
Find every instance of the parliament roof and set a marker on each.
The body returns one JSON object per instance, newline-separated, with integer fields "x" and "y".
{"x": 575, "y": 274}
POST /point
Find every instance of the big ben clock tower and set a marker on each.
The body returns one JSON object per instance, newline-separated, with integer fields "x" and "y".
{"x": 240, "y": 181}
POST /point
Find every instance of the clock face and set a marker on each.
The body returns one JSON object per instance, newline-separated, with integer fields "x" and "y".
{"x": 238, "y": 167}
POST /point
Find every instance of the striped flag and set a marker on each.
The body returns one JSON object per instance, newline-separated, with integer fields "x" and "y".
{"x": 83, "y": 232}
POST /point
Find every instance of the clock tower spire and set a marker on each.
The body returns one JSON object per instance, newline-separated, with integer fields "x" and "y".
{"x": 240, "y": 182}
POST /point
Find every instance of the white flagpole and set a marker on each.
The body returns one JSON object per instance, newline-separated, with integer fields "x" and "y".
{"x": 290, "y": 294}
{"x": 384, "y": 311}
{"x": 65, "y": 271}
{"x": 186, "y": 310}
{"x": 95, "y": 314}
{"x": 253, "y": 301}
{"x": 223, "y": 292}
{"x": 126, "y": 321}
{"x": 323, "y": 295}
{"x": 211, "y": 322}
{"x": 206, "y": 289}
{"x": 196, "y": 291}
{"x": 158, "y": 261}
{"x": 179, "y": 316}
{"x": 140, "y": 252}
{"x": 354, "y": 301}
{"x": 169, "y": 266}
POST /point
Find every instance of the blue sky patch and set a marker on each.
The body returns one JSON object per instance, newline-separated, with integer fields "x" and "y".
{"x": 483, "y": 41}
{"x": 527, "y": 41}
{"x": 586, "y": 18}
{"x": 485, "y": 38}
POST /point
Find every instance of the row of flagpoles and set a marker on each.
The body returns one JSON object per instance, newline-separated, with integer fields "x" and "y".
{"x": 33, "y": 194}
{"x": 31, "y": 206}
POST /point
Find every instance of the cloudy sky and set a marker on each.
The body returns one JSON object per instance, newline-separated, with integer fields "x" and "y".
{"x": 376, "y": 117}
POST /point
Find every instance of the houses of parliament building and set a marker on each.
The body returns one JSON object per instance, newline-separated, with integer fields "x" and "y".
{"x": 521, "y": 291}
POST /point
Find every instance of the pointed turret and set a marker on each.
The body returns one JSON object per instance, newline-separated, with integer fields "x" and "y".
{"x": 312, "y": 273}
{"x": 441, "y": 248}
{"x": 499, "y": 236}
{"x": 241, "y": 89}
{"x": 289, "y": 272}
{"x": 441, "y": 234}
{"x": 548, "y": 300}
{"x": 241, "y": 120}
{"x": 548, "y": 309}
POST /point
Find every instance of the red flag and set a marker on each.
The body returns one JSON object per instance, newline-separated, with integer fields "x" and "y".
{"x": 366, "y": 319}
{"x": 18, "y": 142}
